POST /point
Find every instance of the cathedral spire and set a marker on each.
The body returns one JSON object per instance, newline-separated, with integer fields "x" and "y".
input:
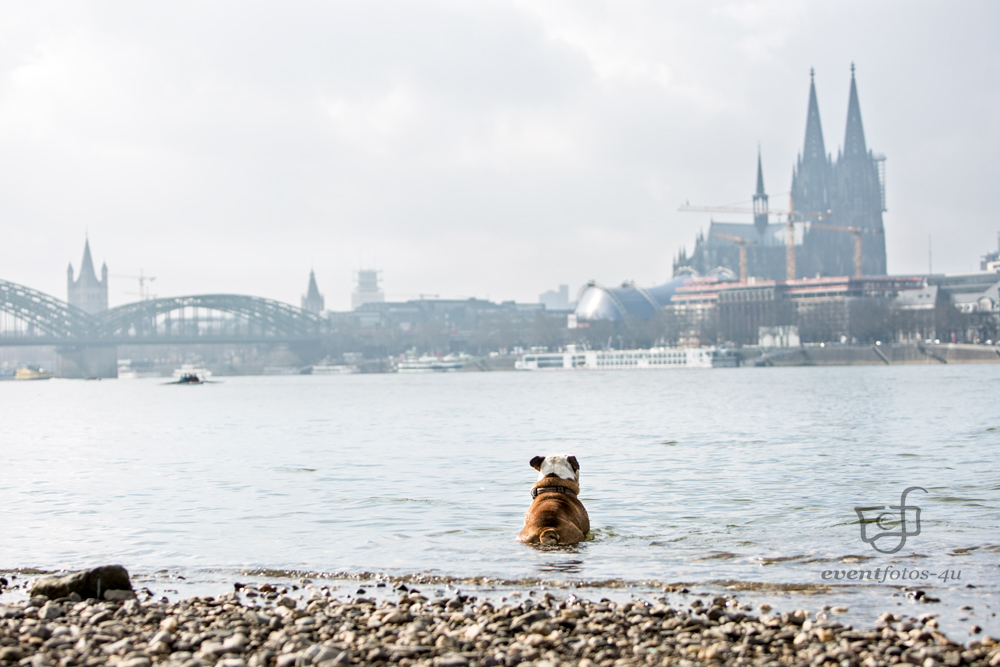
{"x": 814, "y": 150}
{"x": 760, "y": 199}
{"x": 854, "y": 138}
{"x": 313, "y": 291}
{"x": 313, "y": 301}
{"x": 760, "y": 174}
{"x": 87, "y": 274}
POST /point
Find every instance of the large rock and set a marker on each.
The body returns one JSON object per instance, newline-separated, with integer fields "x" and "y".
{"x": 87, "y": 584}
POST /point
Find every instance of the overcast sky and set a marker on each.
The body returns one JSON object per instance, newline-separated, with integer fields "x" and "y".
{"x": 490, "y": 149}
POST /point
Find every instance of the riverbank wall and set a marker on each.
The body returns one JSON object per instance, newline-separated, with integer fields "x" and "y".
{"x": 870, "y": 355}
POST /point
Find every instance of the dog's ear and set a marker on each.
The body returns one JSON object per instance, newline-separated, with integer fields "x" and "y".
{"x": 536, "y": 462}
{"x": 573, "y": 463}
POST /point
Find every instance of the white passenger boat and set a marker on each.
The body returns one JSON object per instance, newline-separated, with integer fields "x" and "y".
{"x": 430, "y": 364}
{"x": 651, "y": 359}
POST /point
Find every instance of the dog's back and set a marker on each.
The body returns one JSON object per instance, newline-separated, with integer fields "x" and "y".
{"x": 556, "y": 515}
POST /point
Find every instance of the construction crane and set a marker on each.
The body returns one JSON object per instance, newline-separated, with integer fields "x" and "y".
{"x": 143, "y": 293}
{"x": 687, "y": 208}
{"x": 857, "y": 231}
{"x": 791, "y": 214}
{"x": 790, "y": 242}
{"x": 742, "y": 243}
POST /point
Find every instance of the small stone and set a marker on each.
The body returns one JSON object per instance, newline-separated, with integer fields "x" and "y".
{"x": 319, "y": 653}
{"x": 839, "y": 610}
{"x": 341, "y": 659}
{"x": 451, "y": 660}
{"x": 211, "y": 648}
{"x": 50, "y": 611}
{"x": 99, "y": 617}
{"x": 136, "y": 662}
{"x": 119, "y": 595}
{"x": 250, "y": 617}
{"x": 159, "y": 648}
{"x": 162, "y": 636}
{"x": 11, "y": 654}
{"x": 235, "y": 644}
{"x": 169, "y": 624}
{"x": 397, "y": 618}
{"x": 824, "y": 634}
{"x": 120, "y": 646}
{"x": 259, "y": 659}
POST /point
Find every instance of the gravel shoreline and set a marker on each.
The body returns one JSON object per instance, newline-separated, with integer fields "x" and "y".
{"x": 270, "y": 626}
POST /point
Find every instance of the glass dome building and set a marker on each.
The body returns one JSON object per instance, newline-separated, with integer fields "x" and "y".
{"x": 631, "y": 302}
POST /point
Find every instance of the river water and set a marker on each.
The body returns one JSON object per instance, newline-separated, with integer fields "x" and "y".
{"x": 738, "y": 479}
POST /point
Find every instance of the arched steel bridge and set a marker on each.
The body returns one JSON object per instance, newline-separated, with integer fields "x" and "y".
{"x": 41, "y": 319}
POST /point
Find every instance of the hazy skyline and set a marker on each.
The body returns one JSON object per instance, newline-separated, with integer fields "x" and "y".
{"x": 490, "y": 149}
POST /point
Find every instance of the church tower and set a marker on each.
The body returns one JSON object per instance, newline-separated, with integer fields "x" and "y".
{"x": 848, "y": 191}
{"x": 760, "y": 200}
{"x": 811, "y": 175}
{"x": 859, "y": 196}
{"x": 87, "y": 292}
{"x": 313, "y": 300}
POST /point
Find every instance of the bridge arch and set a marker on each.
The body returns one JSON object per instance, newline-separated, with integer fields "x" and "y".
{"x": 208, "y": 318}
{"x": 40, "y": 318}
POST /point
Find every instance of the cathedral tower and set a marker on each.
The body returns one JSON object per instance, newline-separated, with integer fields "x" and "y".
{"x": 313, "y": 300}
{"x": 811, "y": 175}
{"x": 87, "y": 292}
{"x": 846, "y": 192}
{"x": 859, "y": 189}
{"x": 760, "y": 200}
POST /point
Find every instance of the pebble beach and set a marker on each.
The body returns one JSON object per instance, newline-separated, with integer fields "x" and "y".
{"x": 265, "y": 625}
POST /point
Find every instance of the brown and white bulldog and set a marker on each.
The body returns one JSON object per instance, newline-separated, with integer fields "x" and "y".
{"x": 556, "y": 515}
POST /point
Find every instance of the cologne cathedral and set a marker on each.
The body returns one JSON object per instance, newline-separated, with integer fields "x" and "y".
{"x": 830, "y": 196}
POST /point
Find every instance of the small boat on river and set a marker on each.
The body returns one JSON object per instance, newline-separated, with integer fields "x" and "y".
{"x": 190, "y": 369}
{"x": 33, "y": 372}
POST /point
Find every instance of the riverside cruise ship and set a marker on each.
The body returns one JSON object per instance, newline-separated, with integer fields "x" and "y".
{"x": 652, "y": 359}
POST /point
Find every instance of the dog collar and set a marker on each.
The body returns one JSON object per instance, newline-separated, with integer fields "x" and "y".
{"x": 551, "y": 489}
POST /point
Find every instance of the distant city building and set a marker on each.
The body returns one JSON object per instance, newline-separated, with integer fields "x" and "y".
{"x": 87, "y": 292}
{"x": 313, "y": 300}
{"x": 556, "y": 300}
{"x": 458, "y": 317}
{"x": 847, "y": 194}
{"x": 832, "y": 309}
{"x": 367, "y": 289}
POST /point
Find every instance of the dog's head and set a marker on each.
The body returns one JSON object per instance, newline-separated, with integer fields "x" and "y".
{"x": 562, "y": 466}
